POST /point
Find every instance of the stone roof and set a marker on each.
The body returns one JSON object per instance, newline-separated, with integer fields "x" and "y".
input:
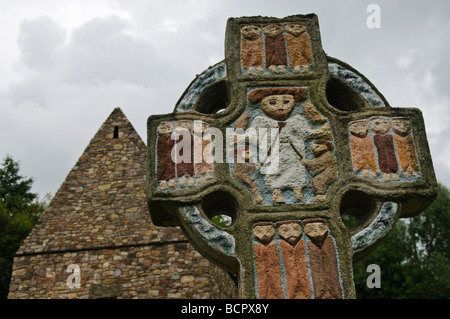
{"x": 101, "y": 203}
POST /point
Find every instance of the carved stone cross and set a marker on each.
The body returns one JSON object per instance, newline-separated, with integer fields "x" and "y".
{"x": 279, "y": 141}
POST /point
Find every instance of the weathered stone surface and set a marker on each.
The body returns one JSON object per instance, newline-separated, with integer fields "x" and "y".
{"x": 103, "y": 291}
{"x": 268, "y": 271}
{"x": 141, "y": 272}
{"x": 303, "y": 138}
{"x": 252, "y": 48}
{"x": 296, "y": 268}
{"x": 298, "y": 46}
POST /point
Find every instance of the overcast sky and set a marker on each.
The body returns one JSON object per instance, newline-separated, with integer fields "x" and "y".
{"x": 66, "y": 64}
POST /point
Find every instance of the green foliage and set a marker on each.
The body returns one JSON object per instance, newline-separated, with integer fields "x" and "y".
{"x": 222, "y": 220}
{"x": 430, "y": 231}
{"x": 14, "y": 189}
{"x": 19, "y": 212}
{"x": 414, "y": 257}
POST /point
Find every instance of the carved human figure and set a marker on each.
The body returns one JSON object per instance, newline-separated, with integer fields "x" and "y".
{"x": 405, "y": 146}
{"x": 298, "y": 45}
{"x": 363, "y": 155}
{"x": 275, "y": 47}
{"x": 323, "y": 260}
{"x": 165, "y": 168}
{"x": 384, "y": 143}
{"x": 243, "y": 168}
{"x": 204, "y": 168}
{"x": 293, "y": 252}
{"x": 313, "y": 114}
{"x": 252, "y": 54}
{"x": 185, "y": 164}
{"x": 324, "y": 165}
{"x": 268, "y": 269}
{"x": 277, "y": 104}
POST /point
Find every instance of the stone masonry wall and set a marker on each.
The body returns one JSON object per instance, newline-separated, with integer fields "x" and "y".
{"x": 159, "y": 271}
{"x": 99, "y": 221}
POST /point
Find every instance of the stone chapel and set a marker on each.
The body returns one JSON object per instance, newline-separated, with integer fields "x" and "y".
{"x": 98, "y": 223}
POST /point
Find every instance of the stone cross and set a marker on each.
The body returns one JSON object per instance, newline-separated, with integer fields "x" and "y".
{"x": 268, "y": 149}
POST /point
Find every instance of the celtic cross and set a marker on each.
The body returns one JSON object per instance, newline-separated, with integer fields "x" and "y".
{"x": 278, "y": 142}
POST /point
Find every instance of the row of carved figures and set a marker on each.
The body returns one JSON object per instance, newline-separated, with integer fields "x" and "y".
{"x": 272, "y": 45}
{"x": 296, "y": 260}
{"x": 384, "y": 145}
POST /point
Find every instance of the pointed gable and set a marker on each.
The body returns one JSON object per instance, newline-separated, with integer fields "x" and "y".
{"x": 102, "y": 201}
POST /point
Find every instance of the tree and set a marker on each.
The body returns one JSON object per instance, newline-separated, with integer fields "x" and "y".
{"x": 19, "y": 212}
{"x": 414, "y": 257}
{"x": 390, "y": 255}
{"x": 14, "y": 188}
{"x": 430, "y": 235}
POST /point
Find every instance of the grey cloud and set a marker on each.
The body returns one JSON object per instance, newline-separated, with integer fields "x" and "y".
{"x": 40, "y": 42}
{"x": 79, "y": 75}
{"x": 442, "y": 67}
{"x": 36, "y": 88}
{"x": 98, "y": 52}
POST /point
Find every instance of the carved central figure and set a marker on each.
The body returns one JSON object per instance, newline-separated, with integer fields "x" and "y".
{"x": 293, "y": 132}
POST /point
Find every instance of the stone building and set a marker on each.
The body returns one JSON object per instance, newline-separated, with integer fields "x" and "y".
{"x": 96, "y": 239}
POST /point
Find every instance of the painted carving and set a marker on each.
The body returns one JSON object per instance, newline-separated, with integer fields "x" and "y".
{"x": 243, "y": 169}
{"x": 323, "y": 260}
{"x": 312, "y": 113}
{"x": 298, "y": 45}
{"x": 309, "y": 267}
{"x": 185, "y": 143}
{"x": 384, "y": 144}
{"x": 293, "y": 252}
{"x": 363, "y": 155}
{"x": 252, "y": 55}
{"x": 279, "y": 109}
{"x": 276, "y": 58}
{"x": 179, "y": 163}
{"x": 382, "y": 148}
{"x": 267, "y": 262}
{"x": 165, "y": 165}
{"x": 203, "y": 161}
{"x": 275, "y": 48}
{"x": 405, "y": 147}
{"x": 324, "y": 165}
